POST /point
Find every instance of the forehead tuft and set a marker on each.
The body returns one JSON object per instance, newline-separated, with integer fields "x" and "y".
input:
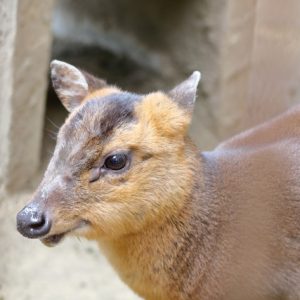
{"x": 99, "y": 116}
{"x": 92, "y": 123}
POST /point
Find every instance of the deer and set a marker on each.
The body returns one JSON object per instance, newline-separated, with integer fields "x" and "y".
{"x": 175, "y": 222}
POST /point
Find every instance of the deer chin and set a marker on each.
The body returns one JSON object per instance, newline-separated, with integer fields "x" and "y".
{"x": 54, "y": 239}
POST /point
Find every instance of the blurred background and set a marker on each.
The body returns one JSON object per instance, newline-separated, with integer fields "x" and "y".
{"x": 247, "y": 51}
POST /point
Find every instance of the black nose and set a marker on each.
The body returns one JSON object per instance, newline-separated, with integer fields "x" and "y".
{"x": 32, "y": 223}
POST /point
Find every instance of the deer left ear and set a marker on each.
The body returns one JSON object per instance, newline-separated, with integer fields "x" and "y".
{"x": 71, "y": 84}
{"x": 184, "y": 94}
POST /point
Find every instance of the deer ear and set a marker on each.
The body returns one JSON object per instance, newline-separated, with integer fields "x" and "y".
{"x": 184, "y": 94}
{"x": 71, "y": 84}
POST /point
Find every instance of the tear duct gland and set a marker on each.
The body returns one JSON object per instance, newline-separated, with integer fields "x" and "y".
{"x": 175, "y": 223}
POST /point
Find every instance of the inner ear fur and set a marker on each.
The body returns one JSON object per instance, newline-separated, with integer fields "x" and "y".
{"x": 72, "y": 85}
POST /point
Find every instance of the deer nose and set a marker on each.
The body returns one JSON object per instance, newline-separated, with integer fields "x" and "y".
{"x": 32, "y": 222}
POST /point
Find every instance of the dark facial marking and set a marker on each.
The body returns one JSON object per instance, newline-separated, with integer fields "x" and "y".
{"x": 93, "y": 124}
{"x": 119, "y": 109}
{"x": 101, "y": 115}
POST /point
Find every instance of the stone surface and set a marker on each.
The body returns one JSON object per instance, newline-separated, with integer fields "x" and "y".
{"x": 259, "y": 66}
{"x": 235, "y": 65}
{"x": 274, "y": 82}
{"x": 8, "y": 11}
{"x": 23, "y": 109}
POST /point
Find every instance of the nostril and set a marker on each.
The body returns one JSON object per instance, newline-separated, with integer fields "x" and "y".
{"x": 33, "y": 223}
{"x": 37, "y": 222}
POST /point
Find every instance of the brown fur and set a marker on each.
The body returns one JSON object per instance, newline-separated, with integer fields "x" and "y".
{"x": 180, "y": 224}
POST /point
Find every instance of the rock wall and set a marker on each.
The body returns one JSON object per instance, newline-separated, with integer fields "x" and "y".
{"x": 7, "y": 36}
{"x": 25, "y": 43}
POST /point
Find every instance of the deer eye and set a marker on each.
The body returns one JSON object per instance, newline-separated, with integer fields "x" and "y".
{"x": 116, "y": 162}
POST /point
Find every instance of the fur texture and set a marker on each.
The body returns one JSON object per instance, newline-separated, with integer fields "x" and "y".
{"x": 176, "y": 223}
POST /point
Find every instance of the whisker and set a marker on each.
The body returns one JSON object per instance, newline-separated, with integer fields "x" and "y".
{"x": 52, "y": 136}
{"x": 55, "y": 125}
{"x": 51, "y": 131}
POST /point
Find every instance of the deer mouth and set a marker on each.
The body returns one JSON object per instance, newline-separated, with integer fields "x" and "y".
{"x": 54, "y": 239}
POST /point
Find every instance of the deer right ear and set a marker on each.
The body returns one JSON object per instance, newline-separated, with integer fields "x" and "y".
{"x": 71, "y": 84}
{"x": 184, "y": 94}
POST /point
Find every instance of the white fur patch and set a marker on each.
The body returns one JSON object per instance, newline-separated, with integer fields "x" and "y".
{"x": 52, "y": 185}
{"x": 69, "y": 76}
{"x": 69, "y": 83}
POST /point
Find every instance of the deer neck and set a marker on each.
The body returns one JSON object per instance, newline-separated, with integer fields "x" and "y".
{"x": 171, "y": 257}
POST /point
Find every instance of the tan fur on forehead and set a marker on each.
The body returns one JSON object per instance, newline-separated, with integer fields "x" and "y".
{"x": 161, "y": 125}
{"x": 163, "y": 113}
{"x": 160, "y": 128}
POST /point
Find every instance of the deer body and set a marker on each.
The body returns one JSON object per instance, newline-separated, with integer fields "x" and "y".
{"x": 240, "y": 222}
{"x": 175, "y": 223}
